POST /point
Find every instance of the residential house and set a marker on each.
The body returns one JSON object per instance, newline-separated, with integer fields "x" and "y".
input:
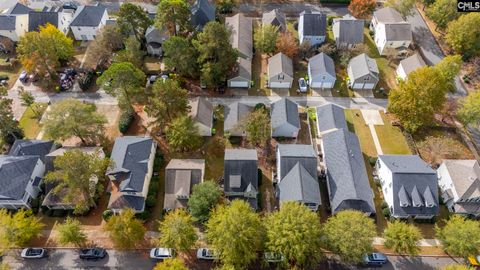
{"x": 347, "y": 180}
{"x": 180, "y": 177}
{"x": 391, "y": 31}
{"x": 284, "y": 118}
{"x": 202, "y": 12}
{"x": 297, "y": 175}
{"x": 408, "y": 65}
{"x": 275, "y": 17}
{"x": 241, "y": 175}
{"x": 330, "y": 117}
{"x": 55, "y": 201}
{"x": 363, "y": 72}
{"x": 130, "y": 172}
{"x": 13, "y": 23}
{"x": 459, "y": 182}
{"x": 321, "y": 72}
{"x": 235, "y": 115}
{"x": 409, "y": 186}
{"x": 20, "y": 180}
{"x": 312, "y": 28}
{"x": 241, "y": 39}
{"x": 201, "y": 111}
{"x": 280, "y": 71}
{"x": 31, "y": 148}
{"x": 87, "y": 21}
{"x": 154, "y": 38}
{"x": 17, "y": 9}
{"x": 347, "y": 32}
{"x": 57, "y": 16}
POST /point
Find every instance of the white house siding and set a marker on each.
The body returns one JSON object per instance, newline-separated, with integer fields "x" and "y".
{"x": 238, "y": 83}
{"x": 445, "y": 182}
{"x": 10, "y": 34}
{"x": 313, "y": 40}
{"x": 203, "y": 130}
{"x": 386, "y": 180}
{"x": 87, "y": 33}
{"x": 64, "y": 20}
{"x": 401, "y": 72}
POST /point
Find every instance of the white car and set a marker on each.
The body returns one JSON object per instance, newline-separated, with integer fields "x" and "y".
{"x": 33, "y": 253}
{"x": 302, "y": 84}
{"x": 161, "y": 253}
{"x": 206, "y": 254}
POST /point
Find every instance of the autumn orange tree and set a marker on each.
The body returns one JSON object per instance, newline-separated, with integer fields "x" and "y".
{"x": 287, "y": 44}
{"x": 361, "y": 9}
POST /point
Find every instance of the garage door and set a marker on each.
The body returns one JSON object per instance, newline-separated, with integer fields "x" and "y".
{"x": 327, "y": 85}
{"x": 317, "y": 85}
{"x": 279, "y": 85}
{"x": 241, "y": 84}
{"x": 369, "y": 86}
{"x": 357, "y": 86}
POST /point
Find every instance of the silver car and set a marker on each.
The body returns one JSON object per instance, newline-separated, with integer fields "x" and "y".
{"x": 33, "y": 253}
{"x": 302, "y": 85}
{"x": 206, "y": 254}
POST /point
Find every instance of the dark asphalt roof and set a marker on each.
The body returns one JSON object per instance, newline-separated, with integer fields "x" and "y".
{"x": 285, "y": 112}
{"x": 41, "y": 18}
{"x": 330, "y": 116}
{"x": 7, "y": 22}
{"x": 298, "y": 185}
{"x": 202, "y": 12}
{"x": 18, "y": 9}
{"x": 241, "y": 164}
{"x": 31, "y": 148}
{"x": 348, "y": 30}
{"x": 321, "y": 64}
{"x": 180, "y": 177}
{"x": 291, "y": 154}
{"x": 137, "y": 203}
{"x": 15, "y": 174}
{"x": 314, "y": 23}
{"x": 88, "y": 16}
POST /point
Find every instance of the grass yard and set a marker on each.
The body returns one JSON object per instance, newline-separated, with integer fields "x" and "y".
{"x": 340, "y": 89}
{"x": 300, "y": 70}
{"x": 391, "y": 138}
{"x": 356, "y": 124}
{"x": 152, "y": 65}
{"x": 259, "y": 77}
{"x": 30, "y": 120}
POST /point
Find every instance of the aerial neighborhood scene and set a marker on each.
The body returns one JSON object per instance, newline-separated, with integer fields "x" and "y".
{"x": 222, "y": 134}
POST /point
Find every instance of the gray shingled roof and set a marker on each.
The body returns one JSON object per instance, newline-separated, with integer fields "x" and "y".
{"x": 130, "y": 157}
{"x": 387, "y": 15}
{"x": 235, "y": 113}
{"x": 275, "y": 17}
{"x": 362, "y": 65}
{"x": 15, "y": 174}
{"x": 241, "y": 36}
{"x": 348, "y": 30}
{"x": 415, "y": 185}
{"x": 180, "y": 177}
{"x": 465, "y": 175}
{"x": 291, "y": 154}
{"x": 412, "y": 63}
{"x": 298, "y": 185}
{"x": 7, "y": 22}
{"x": 398, "y": 31}
{"x": 278, "y": 64}
{"x": 314, "y": 23}
{"x": 31, "y": 148}
{"x": 202, "y": 12}
{"x": 18, "y": 9}
{"x": 241, "y": 164}
{"x": 41, "y": 18}
{"x": 347, "y": 178}
{"x": 88, "y": 16}
{"x": 153, "y": 34}
{"x": 321, "y": 64}
{"x": 243, "y": 69}
{"x": 137, "y": 203}
{"x": 330, "y": 117}
{"x": 284, "y": 112}
{"x": 201, "y": 111}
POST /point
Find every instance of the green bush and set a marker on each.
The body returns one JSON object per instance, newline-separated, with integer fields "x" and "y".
{"x": 126, "y": 120}
{"x": 386, "y": 212}
{"x": 107, "y": 214}
{"x": 151, "y": 201}
{"x": 372, "y": 161}
{"x": 260, "y": 106}
{"x": 143, "y": 216}
{"x": 85, "y": 81}
{"x": 384, "y": 205}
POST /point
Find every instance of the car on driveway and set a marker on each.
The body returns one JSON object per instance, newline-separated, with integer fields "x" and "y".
{"x": 23, "y": 77}
{"x": 302, "y": 84}
{"x": 161, "y": 253}
{"x": 206, "y": 254}
{"x": 375, "y": 259}
{"x": 95, "y": 253}
{"x": 33, "y": 253}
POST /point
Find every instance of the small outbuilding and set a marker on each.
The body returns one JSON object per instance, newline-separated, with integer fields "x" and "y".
{"x": 284, "y": 119}
{"x": 321, "y": 72}
{"x": 280, "y": 71}
{"x": 408, "y": 65}
{"x": 363, "y": 73}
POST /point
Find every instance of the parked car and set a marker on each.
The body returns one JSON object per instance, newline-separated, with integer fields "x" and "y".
{"x": 375, "y": 259}
{"x": 302, "y": 85}
{"x": 474, "y": 261}
{"x": 33, "y": 253}
{"x": 206, "y": 254}
{"x": 95, "y": 253}
{"x": 273, "y": 257}
{"x": 23, "y": 76}
{"x": 161, "y": 253}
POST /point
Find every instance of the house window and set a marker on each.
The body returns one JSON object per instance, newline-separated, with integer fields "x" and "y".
{"x": 79, "y": 29}
{"x": 281, "y": 76}
{"x": 366, "y": 78}
{"x": 391, "y": 43}
{"x": 84, "y": 37}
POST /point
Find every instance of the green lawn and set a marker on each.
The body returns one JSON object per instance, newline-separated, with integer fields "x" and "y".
{"x": 356, "y": 124}
{"x": 30, "y": 120}
{"x": 391, "y": 138}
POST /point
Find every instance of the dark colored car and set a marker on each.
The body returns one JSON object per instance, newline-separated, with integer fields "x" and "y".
{"x": 375, "y": 259}
{"x": 92, "y": 253}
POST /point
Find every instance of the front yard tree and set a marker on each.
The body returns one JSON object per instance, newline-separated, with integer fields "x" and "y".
{"x": 132, "y": 53}
{"x": 203, "y": 199}
{"x": 131, "y": 18}
{"x": 402, "y": 238}
{"x": 295, "y": 232}
{"x": 73, "y": 178}
{"x": 361, "y": 9}
{"x": 442, "y": 12}
{"x": 183, "y": 135}
{"x": 70, "y": 232}
{"x": 416, "y": 100}
{"x": 463, "y": 34}
{"x": 72, "y": 117}
{"x": 18, "y": 228}
{"x": 449, "y": 67}
{"x": 236, "y": 234}
{"x": 167, "y": 101}
{"x": 457, "y": 267}
{"x": 173, "y": 15}
{"x": 177, "y": 231}
{"x": 41, "y": 52}
{"x": 216, "y": 56}
{"x": 469, "y": 111}
{"x": 9, "y": 127}
{"x": 27, "y": 99}
{"x": 125, "y": 230}
{"x": 460, "y": 236}
{"x": 101, "y": 49}
{"x": 123, "y": 80}
{"x": 265, "y": 38}
{"x": 171, "y": 264}
{"x": 404, "y": 7}
{"x": 349, "y": 234}
{"x": 179, "y": 54}
{"x": 287, "y": 43}
{"x": 257, "y": 127}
